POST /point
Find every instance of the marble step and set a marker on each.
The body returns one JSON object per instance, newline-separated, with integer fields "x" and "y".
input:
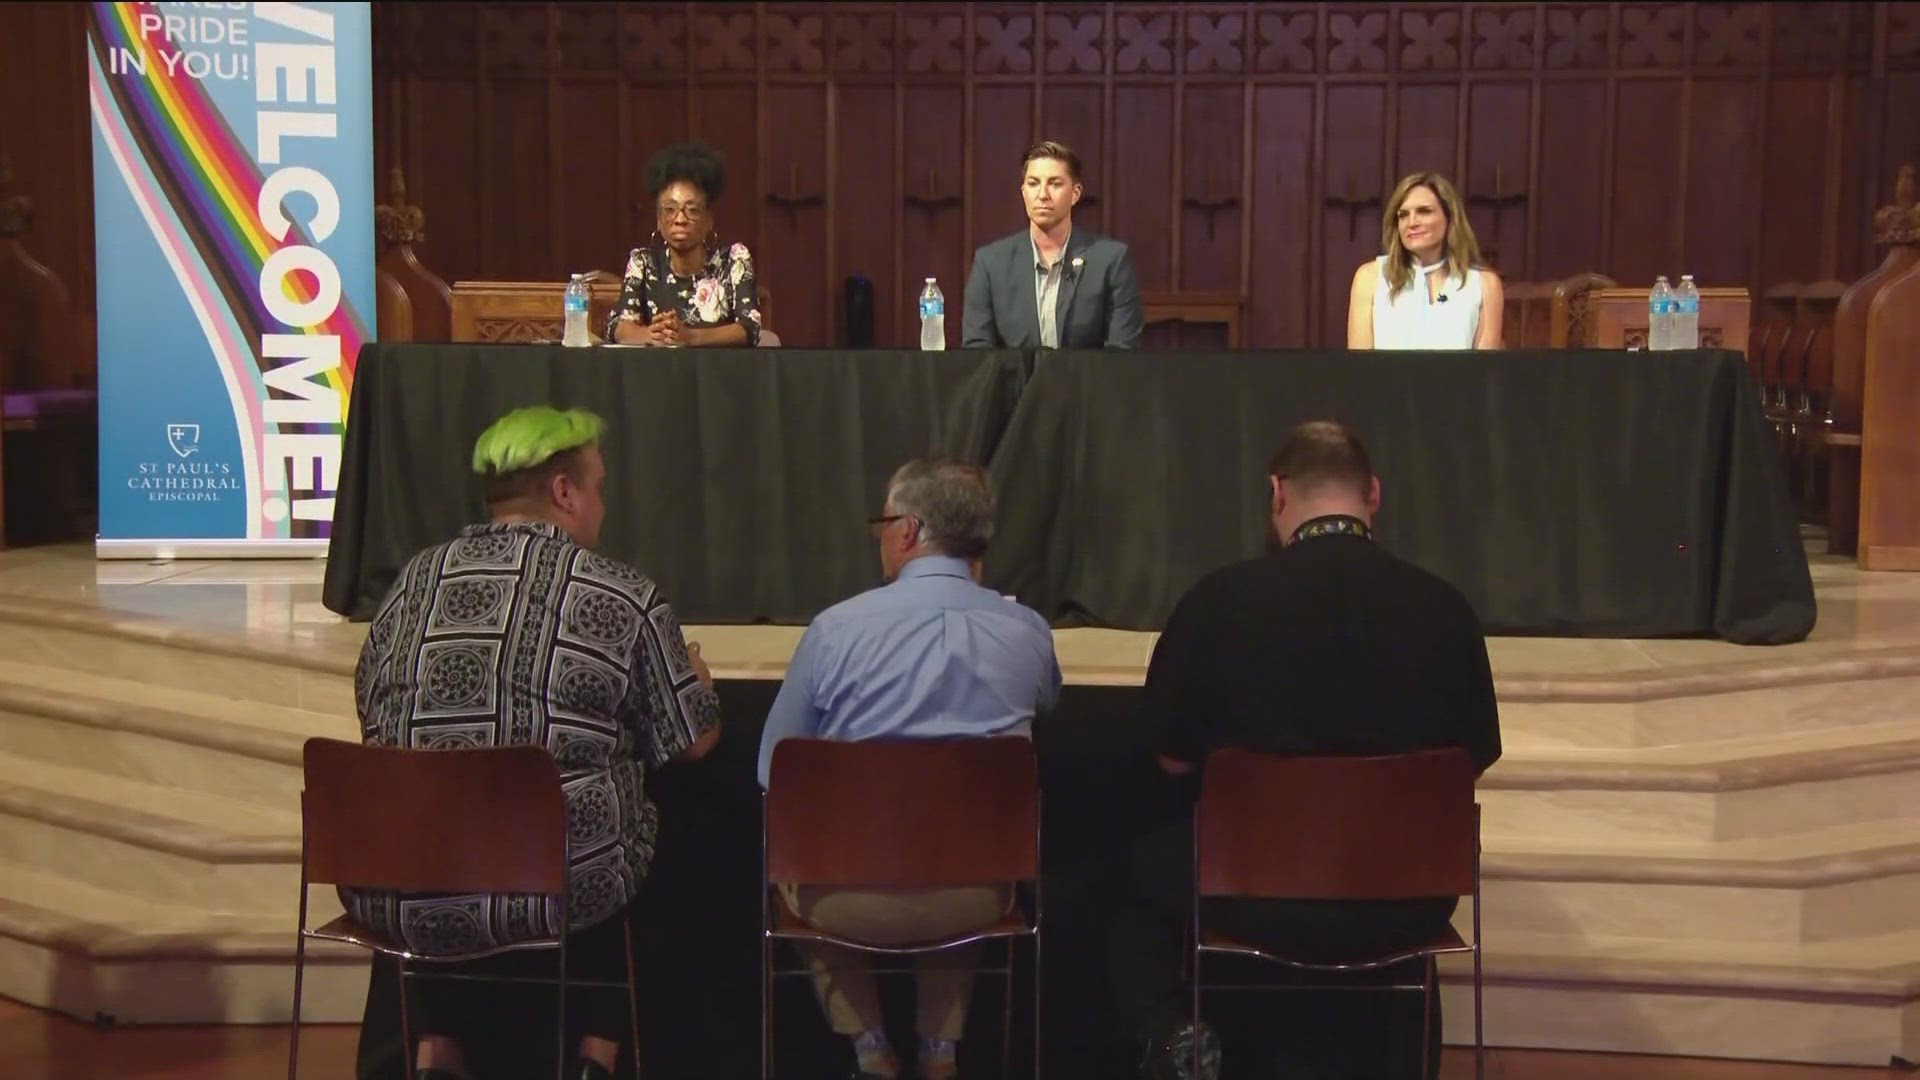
{"x": 149, "y": 840}
{"x": 1726, "y": 790}
{"x": 86, "y": 951}
{"x": 1709, "y": 703}
{"x": 1854, "y": 1002}
{"x": 90, "y": 641}
{"x": 248, "y": 751}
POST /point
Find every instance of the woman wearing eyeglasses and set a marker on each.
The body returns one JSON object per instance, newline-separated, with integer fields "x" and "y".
{"x": 685, "y": 287}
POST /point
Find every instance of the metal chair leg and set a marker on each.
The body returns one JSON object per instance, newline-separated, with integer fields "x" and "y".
{"x": 299, "y": 970}
{"x": 633, "y": 994}
{"x": 1006, "y": 1016}
{"x": 1479, "y": 1031}
{"x": 766, "y": 1007}
{"x": 560, "y": 1038}
{"x": 1039, "y": 989}
{"x": 406, "y": 1019}
{"x": 1427, "y": 991}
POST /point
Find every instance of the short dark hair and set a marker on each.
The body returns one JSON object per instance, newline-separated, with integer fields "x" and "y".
{"x": 1323, "y": 452}
{"x": 1058, "y": 151}
{"x": 695, "y": 163}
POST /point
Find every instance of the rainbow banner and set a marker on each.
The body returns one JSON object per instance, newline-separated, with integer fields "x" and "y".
{"x": 233, "y": 230}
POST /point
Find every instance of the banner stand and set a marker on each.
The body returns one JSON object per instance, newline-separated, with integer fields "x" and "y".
{"x": 233, "y": 223}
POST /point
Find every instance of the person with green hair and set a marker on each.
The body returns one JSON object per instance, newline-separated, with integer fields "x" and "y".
{"x": 516, "y": 632}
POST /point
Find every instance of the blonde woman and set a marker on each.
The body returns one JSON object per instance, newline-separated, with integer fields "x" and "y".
{"x": 1428, "y": 291}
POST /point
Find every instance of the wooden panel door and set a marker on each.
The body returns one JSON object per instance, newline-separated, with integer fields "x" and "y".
{"x": 866, "y": 207}
{"x": 592, "y": 208}
{"x": 1278, "y": 304}
{"x": 1211, "y": 213}
{"x": 794, "y": 222}
{"x": 1572, "y": 195}
{"x": 1076, "y": 115}
{"x": 1494, "y": 177}
{"x": 1002, "y": 131}
{"x": 1724, "y": 182}
{"x": 932, "y": 235}
{"x": 1354, "y": 177}
{"x": 1645, "y": 187}
{"x": 1141, "y": 191}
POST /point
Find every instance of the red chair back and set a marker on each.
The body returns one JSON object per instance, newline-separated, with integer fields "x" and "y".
{"x": 1332, "y": 828}
{"x": 903, "y": 814}
{"x": 482, "y": 820}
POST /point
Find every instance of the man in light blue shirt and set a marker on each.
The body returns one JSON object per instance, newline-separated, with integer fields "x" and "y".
{"x": 932, "y": 654}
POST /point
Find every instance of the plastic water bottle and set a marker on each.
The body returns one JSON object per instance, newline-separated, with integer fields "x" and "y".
{"x": 576, "y": 334}
{"x": 933, "y": 317}
{"x": 1660, "y": 315}
{"x": 1685, "y": 332}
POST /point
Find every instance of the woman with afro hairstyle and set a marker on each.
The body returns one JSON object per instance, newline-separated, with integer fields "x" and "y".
{"x": 685, "y": 288}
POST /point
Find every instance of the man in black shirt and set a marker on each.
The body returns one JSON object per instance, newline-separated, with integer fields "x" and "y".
{"x": 1327, "y": 646}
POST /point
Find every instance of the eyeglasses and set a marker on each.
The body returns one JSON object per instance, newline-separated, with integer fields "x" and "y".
{"x": 694, "y": 211}
{"x": 876, "y": 524}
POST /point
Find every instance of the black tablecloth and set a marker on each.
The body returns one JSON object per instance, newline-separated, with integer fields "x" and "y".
{"x": 1571, "y": 493}
{"x": 740, "y": 480}
{"x": 1596, "y": 494}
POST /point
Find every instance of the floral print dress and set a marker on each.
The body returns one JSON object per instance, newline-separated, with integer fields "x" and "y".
{"x": 722, "y": 292}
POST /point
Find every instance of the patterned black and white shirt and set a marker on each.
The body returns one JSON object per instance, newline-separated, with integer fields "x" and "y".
{"x": 514, "y": 634}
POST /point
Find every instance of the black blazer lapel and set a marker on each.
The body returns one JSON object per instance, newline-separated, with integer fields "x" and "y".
{"x": 1026, "y": 308}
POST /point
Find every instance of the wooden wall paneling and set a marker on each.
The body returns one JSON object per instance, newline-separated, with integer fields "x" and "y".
{"x": 931, "y": 230}
{"x": 867, "y": 210}
{"x": 1140, "y": 192}
{"x": 654, "y": 116}
{"x": 1900, "y": 121}
{"x": 1003, "y": 129}
{"x": 1427, "y": 126}
{"x": 1353, "y": 171}
{"x": 591, "y": 203}
{"x": 1795, "y": 178}
{"x": 445, "y": 163}
{"x": 1724, "y": 183}
{"x": 1645, "y": 184}
{"x": 1853, "y": 255}
{"x": 1573, "y": 193}
{"x": 1075, "y": 114}
{"x": 794, "y": 214}
{"x": 728, "y": 120}
{"x": 1279, "y": 303}
{"x": 1211, "y": 211}
{"x": 48, "y": 132}
{"x": 651, "y": 50}
{"x": 516, "y": 60}
{"x": 1494, "y": 176}
{"x": 516, "y": 182}
{"x": 1576, "y": 104}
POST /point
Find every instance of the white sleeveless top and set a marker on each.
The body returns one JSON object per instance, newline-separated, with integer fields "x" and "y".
{"x": 1413, "y": 320}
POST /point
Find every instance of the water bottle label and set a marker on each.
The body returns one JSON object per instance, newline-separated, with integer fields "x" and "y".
{"x": 932, "y": 307}
{"x": 576, "y": 303}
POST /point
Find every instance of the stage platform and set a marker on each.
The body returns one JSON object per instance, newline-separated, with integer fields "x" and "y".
{"x": 1692, "y": 847}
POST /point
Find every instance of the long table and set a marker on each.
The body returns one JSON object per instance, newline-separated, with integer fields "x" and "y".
{"x": 1573, "y": 493}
